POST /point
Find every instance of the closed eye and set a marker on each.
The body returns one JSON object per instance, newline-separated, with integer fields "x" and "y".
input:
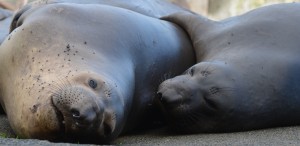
{"x": 191, "y": 71}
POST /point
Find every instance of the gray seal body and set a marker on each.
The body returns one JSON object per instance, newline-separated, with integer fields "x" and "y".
{"x": 247, "y": 75}
{"x": 85, "y": 72}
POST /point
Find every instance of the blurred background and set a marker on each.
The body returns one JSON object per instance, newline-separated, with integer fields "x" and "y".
{"x": 214, "y": 9}
{"x": 220, "y": 9}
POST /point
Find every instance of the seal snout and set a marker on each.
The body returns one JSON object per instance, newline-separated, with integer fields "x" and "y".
{"x": 174, "y": 98}
{"x": 78, "y": 111}
{"x": 171, "y": 100}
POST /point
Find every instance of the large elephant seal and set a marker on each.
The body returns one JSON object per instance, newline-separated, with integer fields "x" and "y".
{"x": 85, "y": 72}
{"x": 247, "y": 76}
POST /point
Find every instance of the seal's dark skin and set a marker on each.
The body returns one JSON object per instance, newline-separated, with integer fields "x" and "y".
{"x": 247, "y": 76}
{"x": 74, "y": 74}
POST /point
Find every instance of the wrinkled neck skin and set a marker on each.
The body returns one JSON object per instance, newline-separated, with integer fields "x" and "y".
{"x": 59, "y": 54}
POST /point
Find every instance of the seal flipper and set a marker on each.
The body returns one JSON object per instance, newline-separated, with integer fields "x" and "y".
{"x": 194, "y": 24}
{"x": 199, "y": 29}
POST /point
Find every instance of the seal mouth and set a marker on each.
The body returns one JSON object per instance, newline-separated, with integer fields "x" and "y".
{"x": 59, "y": 117}
{"x": 107, "y": 129}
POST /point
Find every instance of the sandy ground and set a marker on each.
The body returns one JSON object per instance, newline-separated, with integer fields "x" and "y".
{"x": 275, "y": 136}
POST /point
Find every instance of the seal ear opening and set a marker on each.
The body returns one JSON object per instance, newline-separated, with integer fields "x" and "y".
{"x": 15, "y": 21}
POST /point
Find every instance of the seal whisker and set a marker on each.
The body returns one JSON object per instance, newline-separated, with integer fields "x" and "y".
{"x": 193, "y": 116}
{"x": 53, "y": 92}
{"x": 209, "y": 68}
{"x": 56, "y": 87}
{"x": 59, "y": 86}
{"x": 197, "y": 114}
{"x": 113, "y": 116}
{"x": 227, "y": 90}
{"x": 53, "y": 87}
{"x": 63, "y": 83}
{"x": 70, "y": 84}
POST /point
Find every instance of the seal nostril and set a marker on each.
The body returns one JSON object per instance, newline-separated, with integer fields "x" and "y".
{"x": 210, "y": 102}
{"x": 159, "y": 95}
{"x": 163, "y": 100}
{"x": 75, "y": 113}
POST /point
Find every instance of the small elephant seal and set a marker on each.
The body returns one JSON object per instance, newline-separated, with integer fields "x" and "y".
{"x": 247, "y": 75}
{"x": 69, "y": 74}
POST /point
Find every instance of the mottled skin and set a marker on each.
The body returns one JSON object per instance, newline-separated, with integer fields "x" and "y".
{"x": 74, "y": 74}
{"x": 247, "y": 76}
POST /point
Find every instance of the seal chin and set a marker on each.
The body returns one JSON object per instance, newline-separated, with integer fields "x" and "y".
{"x": 183, "y": 94}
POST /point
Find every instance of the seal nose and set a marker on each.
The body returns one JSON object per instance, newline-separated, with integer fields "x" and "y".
{"x": 83, "y": 116}
{"x": 166, "y": 101}
{"x": 159, "y": 96}
{"x": 163, "y": 99}
{"x": 170, "y": 99}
